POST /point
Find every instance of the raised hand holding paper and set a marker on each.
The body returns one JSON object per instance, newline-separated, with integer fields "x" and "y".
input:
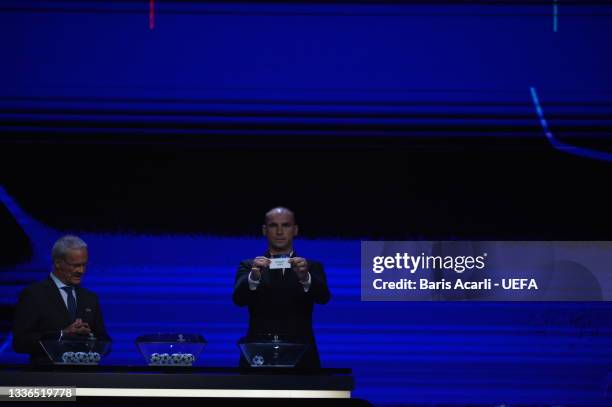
{"x": 280, "y": 263}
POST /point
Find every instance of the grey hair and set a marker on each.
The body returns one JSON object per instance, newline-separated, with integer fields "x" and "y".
{"x": 66, "y": 243}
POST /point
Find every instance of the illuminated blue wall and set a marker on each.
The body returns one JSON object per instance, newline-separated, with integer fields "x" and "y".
{"x": 304, "y": 69}
{"x": 95, "y": 69}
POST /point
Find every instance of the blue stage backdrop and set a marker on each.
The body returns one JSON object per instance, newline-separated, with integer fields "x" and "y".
{"x": 456, "y": 69}
{"x": 413, "y": 352}
{"x": 109, "y": 72}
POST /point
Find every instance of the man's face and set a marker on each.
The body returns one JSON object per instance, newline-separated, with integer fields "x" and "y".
{"x": 280, "y": 228}
{"x": 71, "y": 268}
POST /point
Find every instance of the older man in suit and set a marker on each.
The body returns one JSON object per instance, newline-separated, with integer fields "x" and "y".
{"x": 58, "y": 306}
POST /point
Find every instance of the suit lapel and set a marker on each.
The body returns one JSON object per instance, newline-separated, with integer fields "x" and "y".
{"x": 289, "y": 275}
{"x": 57, "y": 301}
{"x": 83, "y": 310}
{"x": 267, "y": 278}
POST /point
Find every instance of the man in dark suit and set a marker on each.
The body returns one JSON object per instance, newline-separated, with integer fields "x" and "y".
{"x": 58, "y": 306}
{"x": 281, "y": 301}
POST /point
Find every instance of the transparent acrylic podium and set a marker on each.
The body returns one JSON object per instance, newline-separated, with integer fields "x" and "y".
{"x": 75, "y": 350}
{"x": 171, "y": 349}
{"x": 272, "y": 350}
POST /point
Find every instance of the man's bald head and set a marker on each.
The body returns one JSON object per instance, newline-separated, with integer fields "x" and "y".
{"x": 279, "y": 210}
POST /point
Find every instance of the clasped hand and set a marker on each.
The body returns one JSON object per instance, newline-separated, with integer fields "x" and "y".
{"x": 78, "y": 327}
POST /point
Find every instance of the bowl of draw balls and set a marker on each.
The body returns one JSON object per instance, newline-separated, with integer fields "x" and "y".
{"x": 75, "y": 350}
{"x": 170, "y": 349}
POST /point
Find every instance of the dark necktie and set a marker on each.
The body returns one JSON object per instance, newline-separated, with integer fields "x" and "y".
{"x": 71, "y": 302}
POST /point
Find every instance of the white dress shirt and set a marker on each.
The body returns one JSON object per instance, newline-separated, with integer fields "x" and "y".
{"x": 63, "y": 293}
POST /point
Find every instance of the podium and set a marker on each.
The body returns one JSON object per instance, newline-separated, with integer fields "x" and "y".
{"x": 127, "y": 385}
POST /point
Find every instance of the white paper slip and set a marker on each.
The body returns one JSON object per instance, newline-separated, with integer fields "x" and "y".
{"x": 280, "y": 263}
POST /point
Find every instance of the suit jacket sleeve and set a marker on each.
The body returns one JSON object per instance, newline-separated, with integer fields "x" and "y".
{"x": 242, "y": 294}
{"x": 26, "y": 331}
{"x": 319, "y": 291}
{"x": 100, "y": 328}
